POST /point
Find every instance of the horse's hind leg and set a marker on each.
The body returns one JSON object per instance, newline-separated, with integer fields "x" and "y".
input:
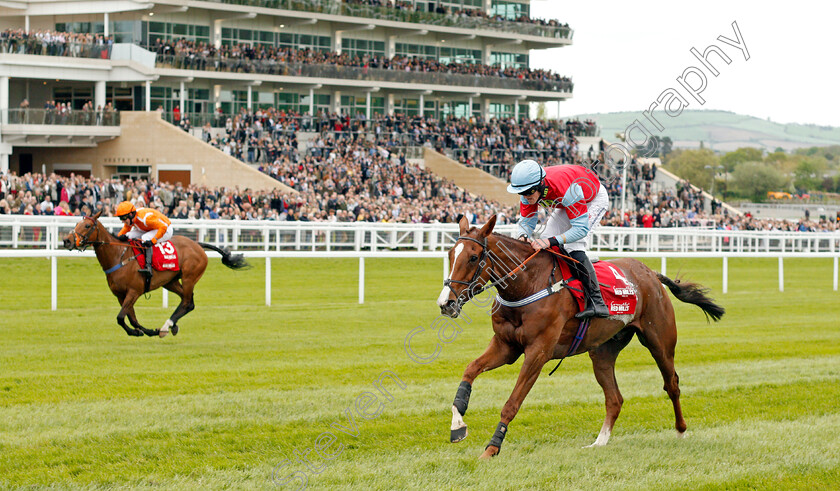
{"x": 171, "y": 324}
{"x": 496, "y": 355}
{"x": 185, "y": 291}
{"x": 661, "y": 343}
{"x": 603, "y": 363}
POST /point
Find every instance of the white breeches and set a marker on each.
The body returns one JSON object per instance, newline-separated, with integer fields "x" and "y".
{"x": 136, "y": 233}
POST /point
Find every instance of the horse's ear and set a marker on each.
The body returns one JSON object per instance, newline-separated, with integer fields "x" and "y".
{"x": 97, "y": 215}
{"x": 487, "y": 229}
{"x": 464, "y": 224}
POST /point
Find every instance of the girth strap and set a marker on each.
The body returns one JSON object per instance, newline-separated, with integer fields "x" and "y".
{"x": 533, "y": 298}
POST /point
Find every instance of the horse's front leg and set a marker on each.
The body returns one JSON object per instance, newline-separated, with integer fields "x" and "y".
{"x": 132, "y": 318}
{"x": 536, "y": 354}
{"x": 497, "y": 354}
{"x": 127, "y": 301}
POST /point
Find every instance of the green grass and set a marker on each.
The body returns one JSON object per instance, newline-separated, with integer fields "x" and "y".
{"x": 244, "y": 387}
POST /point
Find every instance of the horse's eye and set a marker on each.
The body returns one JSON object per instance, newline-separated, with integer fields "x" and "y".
{"x": 87, "y": 226}
{"x": 473, "y": 258}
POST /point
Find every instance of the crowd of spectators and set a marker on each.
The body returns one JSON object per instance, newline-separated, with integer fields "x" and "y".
{"x": 54, "y": 43}
{"x": 356, "y": 182}
{"x": 258, "y": 136}
{"x": 476, "y": 13}
{"x": 260, "y": 58}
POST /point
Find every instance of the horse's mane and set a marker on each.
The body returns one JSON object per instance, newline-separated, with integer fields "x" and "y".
{"x": 507, "y": 240}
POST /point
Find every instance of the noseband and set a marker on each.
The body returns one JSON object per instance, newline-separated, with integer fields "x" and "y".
{"x": 481, "y": 264}
{"x": 83, "y": 239}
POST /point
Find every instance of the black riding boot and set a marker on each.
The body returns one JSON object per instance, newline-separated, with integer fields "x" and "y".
{"x": 586, "y": 274}
{"x": 147, "y": 269}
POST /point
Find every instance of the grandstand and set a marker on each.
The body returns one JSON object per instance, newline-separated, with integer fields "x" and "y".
{"x": 71, "y": 71}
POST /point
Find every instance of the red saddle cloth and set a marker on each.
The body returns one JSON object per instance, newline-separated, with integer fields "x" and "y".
{"x": 618, "y": 292}
{"x": 164, "y": 256}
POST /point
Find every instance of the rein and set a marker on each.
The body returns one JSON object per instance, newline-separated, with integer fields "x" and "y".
{"x": 496, "y": 282}
{"x": 84, "y": 243}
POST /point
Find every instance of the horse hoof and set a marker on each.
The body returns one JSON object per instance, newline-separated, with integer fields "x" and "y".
{"x": 489, "y": 453}
{"x": 457, "y": 435}
{"x": 174, "y": 329}
{"x": 680, "y": 434}
{"x": 164, "y": 330}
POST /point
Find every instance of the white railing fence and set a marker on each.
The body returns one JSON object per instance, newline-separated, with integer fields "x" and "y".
{"x": 46, "y": 232}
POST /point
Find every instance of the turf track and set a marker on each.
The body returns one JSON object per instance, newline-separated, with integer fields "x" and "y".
{"x": 244, "y": 387}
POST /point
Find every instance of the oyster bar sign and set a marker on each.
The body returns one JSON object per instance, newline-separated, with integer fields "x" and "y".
{"x": 126, "y": 160}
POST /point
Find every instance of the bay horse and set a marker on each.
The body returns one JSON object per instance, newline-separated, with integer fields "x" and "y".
{"x": 546, "y": 329}
{"x": 126, "y": 283}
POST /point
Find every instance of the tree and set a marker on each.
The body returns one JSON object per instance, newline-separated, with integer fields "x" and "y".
{"x": 808, "y": 174}
{"x": 696, "y": 166}
{"x": 745, "y": 154}
{"x": 754, "y": 179}
{"x": 667, "y": 146}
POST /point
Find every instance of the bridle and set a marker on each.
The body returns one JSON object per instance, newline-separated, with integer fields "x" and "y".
{"x": 82, "y": 240}
{"x": 478, "y": 271}
{"x": 481, "y": 264}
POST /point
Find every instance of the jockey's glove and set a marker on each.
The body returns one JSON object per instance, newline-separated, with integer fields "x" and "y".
{"x": 148, "y": 243}
{"x": 122, "y": 238}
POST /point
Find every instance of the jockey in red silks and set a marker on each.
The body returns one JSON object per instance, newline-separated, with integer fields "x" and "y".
{"x": 575, "y": 202}
{"x": 146, "y": 224}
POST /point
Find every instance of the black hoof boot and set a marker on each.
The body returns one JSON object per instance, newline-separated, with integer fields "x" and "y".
{"x": 456, "y": 436}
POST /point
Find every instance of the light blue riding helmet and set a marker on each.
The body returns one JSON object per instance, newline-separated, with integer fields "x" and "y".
{"x": 525, "y": 175}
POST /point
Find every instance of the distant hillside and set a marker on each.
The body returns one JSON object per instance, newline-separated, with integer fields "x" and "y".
{"x": 721, "y": 130}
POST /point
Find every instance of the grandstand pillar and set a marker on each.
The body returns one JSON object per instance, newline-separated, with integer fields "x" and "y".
{"x": 422, "y": 105}
{"x": 217, "y": 33}
{"x": 486, "y": 54}
{"x": 516, "y": 109}
{"x": 469, "y": 109}
{"x": 336, "y": 102}
{"x": 148, "y": 95}
{"x": 4, "y": 99}
{"x": 389, "y": 105}
{"x": 26, "y": 23}
{"x": 311, "y": 101}
{"x": 367, "y": 105}
{"x": 488, "y": 6}
{"x": 250, "y": 96}
{"x": 391, "y": 47}
{"x": 99, "y": 95}
{"x": 183, "y": 98}
{"x": 338, "y": 36}
{"x": 107, "y": 21}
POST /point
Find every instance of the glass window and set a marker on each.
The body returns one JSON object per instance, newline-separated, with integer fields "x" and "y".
{"x": 505, "y": 60}
{"x": 166, "y": 31}
{"x": 362, "y": 47}
{"x": 510, "y": 10}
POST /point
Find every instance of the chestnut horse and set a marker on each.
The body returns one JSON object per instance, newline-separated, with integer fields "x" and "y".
{"x": 545, "y": 329}
{"x": 127, "y": 284}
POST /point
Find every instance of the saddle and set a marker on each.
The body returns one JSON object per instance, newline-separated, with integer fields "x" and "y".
{"x": 164, "y": 256}
{"x": 618, "y": 292}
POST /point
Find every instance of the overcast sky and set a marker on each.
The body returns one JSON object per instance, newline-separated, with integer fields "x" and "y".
{"x": 626, "y": 53}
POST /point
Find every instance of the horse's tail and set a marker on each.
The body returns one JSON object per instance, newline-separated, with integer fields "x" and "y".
{"x": 232, "y": 261}
{"x": 694, "y": 294}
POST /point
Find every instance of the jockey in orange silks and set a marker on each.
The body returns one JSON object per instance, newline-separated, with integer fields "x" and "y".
{"x": 146, "y": 224}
